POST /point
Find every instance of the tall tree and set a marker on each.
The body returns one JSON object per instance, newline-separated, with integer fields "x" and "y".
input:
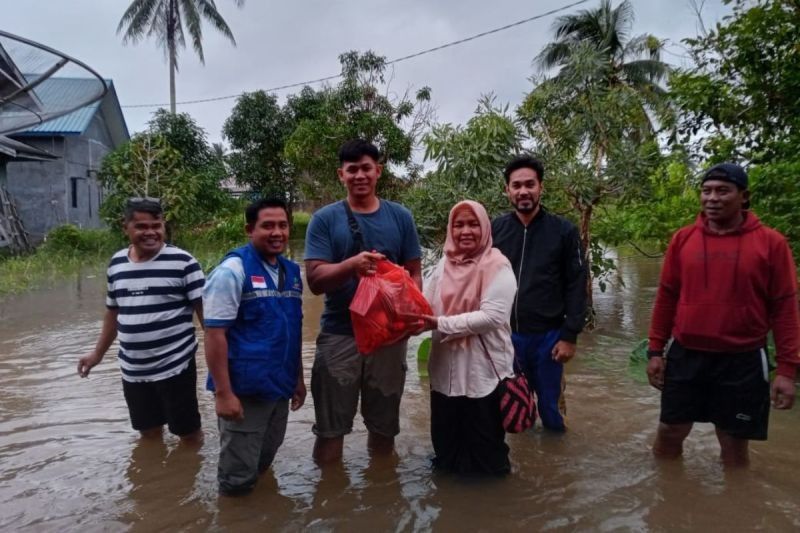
{"x": 172, "y": 160}
{"x": 595, "y": 120}
{"x": 168, "y": 21}
{"x": 467, "y": 160}
{"x": 616, "y": 59}
{"x": 743, "y": 92}
{"x": 257, "y": 130}
{"x": 739, "y": 101}
{"x": 359, "y": 106}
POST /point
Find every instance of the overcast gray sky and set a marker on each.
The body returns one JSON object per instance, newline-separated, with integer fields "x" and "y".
{"x": 282, "y": 42}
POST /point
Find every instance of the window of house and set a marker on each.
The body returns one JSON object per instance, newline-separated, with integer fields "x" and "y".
{"x": 74, "y": 191}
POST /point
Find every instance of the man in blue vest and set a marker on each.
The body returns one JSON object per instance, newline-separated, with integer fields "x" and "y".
{"x": 252, "y": 344}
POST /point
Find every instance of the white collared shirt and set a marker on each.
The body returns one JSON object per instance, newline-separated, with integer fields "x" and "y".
{"x": 462, "y": 368}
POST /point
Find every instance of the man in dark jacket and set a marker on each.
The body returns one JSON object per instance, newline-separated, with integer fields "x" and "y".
{"x": 727, "y": 280}
{"x": 550, "y": 308}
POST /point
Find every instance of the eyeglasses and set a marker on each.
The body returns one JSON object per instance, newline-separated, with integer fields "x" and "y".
{"x": 139, "y": 200}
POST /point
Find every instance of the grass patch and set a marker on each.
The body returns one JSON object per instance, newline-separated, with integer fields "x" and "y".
{"x": 66, "y": 251}
{"x": 300, "y": 220}
{"x": 210, "y": 243}
{"x": 69, "y": 249}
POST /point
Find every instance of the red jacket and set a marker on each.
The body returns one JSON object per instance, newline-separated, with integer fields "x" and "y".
{"x": 723, "y": 293}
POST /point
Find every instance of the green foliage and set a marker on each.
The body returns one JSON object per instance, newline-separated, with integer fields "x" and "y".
{"x": 68, "y": 239}
{"x": 201, "y": 161}
{"x": 775, "y": 189}
{"x": 257, "y": 130}
{"x": 182, "y": 132}
{"x": 300, "y": 220}
{"x": 65, "y": 237}
{"x": 637, "y": 362}
{"x": 599, "y": 148}
{"x": 667, "y": 200}
{"x": 740, "y": 100}
{"x": 164, "y": 20}
{"x": 356, "y": 107}
{"x": 185, "y": 176}
{"x": 469, "y": 161}
{"x": 169, "y": 21}
{"x": 67, "y": 251}
{"x": 591, "y": 121}
{"x": 423, "y": 354}
{"x": 145, "y": 166}
{"x": 210, "y": 242}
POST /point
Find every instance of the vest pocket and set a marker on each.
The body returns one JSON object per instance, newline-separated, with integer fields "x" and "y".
{"x": 254, "y": 375}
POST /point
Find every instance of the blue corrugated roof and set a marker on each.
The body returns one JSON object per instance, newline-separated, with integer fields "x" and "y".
{"x": 64, "y": 92}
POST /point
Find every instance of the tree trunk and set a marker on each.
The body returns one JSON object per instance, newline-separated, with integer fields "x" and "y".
{"x": 586, "y": 241}
{"x": 586, "y": 234}
{"x": 172, "y": 83}
{"x": 172, "y": 51}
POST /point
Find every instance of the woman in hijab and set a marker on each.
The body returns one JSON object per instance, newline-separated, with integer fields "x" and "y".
{"x": 471, "y": 291}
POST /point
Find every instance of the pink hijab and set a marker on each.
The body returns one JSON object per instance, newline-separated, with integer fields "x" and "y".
{"x": 467, "y": 276}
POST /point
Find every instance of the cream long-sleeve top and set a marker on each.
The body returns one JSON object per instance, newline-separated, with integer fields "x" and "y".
{"x": 462, "y": 368}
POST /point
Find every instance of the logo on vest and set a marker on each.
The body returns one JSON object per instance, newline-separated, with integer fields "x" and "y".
{"x": 258, "y": 282}
{"x": 296, "y": 284}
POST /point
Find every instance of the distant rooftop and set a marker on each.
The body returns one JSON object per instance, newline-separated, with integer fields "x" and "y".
{"x": 55, "y": 92}
{"x": 60, "y": 92}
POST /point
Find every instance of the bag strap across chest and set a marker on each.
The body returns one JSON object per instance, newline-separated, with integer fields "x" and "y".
{"x": 355, "y": 229}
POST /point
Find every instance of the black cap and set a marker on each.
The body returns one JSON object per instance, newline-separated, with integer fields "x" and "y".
{"x": 727, "y": 172}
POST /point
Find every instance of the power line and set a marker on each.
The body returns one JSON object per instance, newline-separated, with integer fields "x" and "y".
{"x": 391, "y": 62}
{"x": 489, "y": 32}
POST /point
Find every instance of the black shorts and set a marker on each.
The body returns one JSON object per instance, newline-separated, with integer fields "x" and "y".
{"x": 171, "y": 401}
{"x": 730, "y": 390}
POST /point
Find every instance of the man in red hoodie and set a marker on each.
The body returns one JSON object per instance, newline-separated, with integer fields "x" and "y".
{"x": 727, "y": 280}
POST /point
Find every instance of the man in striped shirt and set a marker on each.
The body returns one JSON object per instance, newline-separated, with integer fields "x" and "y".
{"x": 153, "y": 289}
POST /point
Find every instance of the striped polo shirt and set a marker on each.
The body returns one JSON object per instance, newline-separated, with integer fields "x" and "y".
{"x": 155, "y": 301}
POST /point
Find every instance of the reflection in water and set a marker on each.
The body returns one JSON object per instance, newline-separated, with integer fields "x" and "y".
{"x": 69, "y": 459}
{"x": 171, "y": 470}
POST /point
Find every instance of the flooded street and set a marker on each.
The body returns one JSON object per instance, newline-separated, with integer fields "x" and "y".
{"x": 69, "y": 459}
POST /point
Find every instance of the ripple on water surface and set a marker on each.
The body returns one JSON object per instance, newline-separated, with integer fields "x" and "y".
{"x": 68, "y": 458}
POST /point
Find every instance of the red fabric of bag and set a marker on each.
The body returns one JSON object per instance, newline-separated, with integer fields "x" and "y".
{"x": 517, "y": 406}
{"x": 382, "y": 307}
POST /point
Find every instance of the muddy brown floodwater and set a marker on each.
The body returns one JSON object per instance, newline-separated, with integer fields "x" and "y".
{"x": 70, "y": 461}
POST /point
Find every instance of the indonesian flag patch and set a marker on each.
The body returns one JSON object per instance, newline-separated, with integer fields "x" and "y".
{"x": 258, "y": 282}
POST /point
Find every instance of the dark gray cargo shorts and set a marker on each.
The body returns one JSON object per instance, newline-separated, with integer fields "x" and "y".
{"x": 340, "y": 374}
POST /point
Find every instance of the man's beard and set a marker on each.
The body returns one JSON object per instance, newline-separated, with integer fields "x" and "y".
{"x": 534, "y": 203}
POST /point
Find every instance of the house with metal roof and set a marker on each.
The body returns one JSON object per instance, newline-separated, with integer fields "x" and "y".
{"x": 53, "y": 178}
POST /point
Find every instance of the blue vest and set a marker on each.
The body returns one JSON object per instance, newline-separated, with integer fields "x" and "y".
{"x": 264, "y": 342}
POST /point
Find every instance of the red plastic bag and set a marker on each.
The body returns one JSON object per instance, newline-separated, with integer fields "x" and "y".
{"x": 383, "y": 305}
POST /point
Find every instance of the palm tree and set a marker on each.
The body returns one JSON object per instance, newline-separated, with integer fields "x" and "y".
{"x": 600, "y": 106}
{"x": 167, "y": 20}
{"x": 617, "y": 62}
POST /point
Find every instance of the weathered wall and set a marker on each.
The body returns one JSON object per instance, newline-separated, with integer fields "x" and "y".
{"x": 85, "y": 154}
{"x": 52, "y": 193}
{"x": 38, "y": 188}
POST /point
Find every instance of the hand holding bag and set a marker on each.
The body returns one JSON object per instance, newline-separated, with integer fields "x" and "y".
{"x": 517, "y": 407}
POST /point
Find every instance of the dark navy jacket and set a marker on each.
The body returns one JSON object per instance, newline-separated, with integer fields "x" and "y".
{"x": 548, "y": 261}
{"x": 264, "y": 342}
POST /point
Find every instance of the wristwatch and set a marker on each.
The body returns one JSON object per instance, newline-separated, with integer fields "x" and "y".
{"x": 654, "y": 353}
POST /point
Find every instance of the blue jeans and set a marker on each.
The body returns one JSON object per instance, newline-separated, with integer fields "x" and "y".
{"x": 545, "y": 376}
